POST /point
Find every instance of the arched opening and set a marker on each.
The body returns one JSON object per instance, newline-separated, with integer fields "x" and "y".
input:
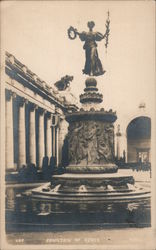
{"x": 139, "y": 140}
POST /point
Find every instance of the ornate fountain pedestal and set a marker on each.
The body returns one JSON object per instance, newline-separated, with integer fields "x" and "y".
{"x": 92, "y": 180}
{"x": 91, "y": 142}
{"x": 91, "y": 135}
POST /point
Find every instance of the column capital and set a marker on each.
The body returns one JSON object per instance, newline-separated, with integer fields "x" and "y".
{"x": 10, "y": 94}
{"x": 32, "y": 106}
{"x": 49, "y": 115}
{"x": 41, "y": 110}
{"x": 22, "y": 101}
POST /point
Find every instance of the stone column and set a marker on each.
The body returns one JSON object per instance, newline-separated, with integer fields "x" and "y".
{"x": 63, "y": 130}
{"x": 57, "y": 145}
{"x": 9, "y": 147}
{"x": 22, "y": 134}
{"x": 32, "y": 135}
{"x": 57, "y": 140}
{"x": 41, "y": 144}
{"x": 49, "y": 137}
{"x": 55, "y": 134}
{"x": 54, "y": 142}
{"x": 124, "y": 144}
{"x": 118, "y": 135}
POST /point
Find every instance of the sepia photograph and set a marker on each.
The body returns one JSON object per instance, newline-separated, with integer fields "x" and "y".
{"x": 78, "y": 125}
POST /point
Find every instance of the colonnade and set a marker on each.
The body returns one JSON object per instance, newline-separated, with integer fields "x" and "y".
{"x": 33, "y": 146}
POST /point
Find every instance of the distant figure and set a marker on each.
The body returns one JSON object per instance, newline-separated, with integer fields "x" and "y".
{"x": 63, "y": 83}
{"x": 32, "y": 171}
{"x": 46, "y": 171}
{"x": 52, "y": 164}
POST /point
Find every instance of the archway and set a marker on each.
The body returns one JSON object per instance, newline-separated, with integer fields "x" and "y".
{"x": 139, "y": 140}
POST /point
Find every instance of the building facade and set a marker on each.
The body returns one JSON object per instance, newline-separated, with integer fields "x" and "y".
{"x": 35, "y": 125}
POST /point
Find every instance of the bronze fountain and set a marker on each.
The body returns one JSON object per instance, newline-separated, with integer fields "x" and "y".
{"x": 92, "y": 180}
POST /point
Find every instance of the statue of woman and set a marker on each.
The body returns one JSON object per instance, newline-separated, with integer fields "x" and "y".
{"x": 93, "y": 65}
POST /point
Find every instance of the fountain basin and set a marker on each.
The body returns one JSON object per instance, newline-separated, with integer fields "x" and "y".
{"x": 91, "y": 191}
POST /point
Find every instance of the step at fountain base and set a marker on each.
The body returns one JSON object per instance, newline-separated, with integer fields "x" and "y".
{"x": 88, "y": 191}
{"x": 94, "y": 168}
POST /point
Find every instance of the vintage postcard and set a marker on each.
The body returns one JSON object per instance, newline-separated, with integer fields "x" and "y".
{"x": 78, "y": 125}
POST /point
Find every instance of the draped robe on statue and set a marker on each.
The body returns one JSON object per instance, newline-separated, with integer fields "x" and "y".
{"x": 93, "y": 65}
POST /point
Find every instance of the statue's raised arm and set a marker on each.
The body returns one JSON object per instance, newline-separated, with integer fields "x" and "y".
{"x": 72, "y": 32}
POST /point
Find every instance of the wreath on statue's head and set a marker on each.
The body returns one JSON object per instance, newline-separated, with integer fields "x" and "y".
{"x": 72, "y": 33}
